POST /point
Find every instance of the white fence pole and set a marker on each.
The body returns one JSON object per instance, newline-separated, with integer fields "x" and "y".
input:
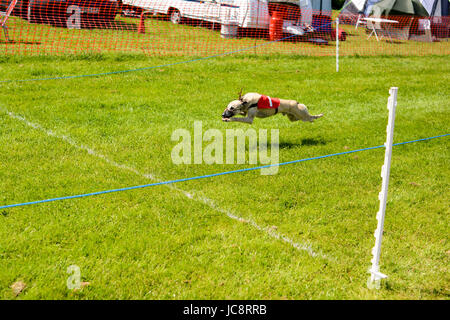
{"x": 376, "y": 275}
{"x": 337, "y": 44}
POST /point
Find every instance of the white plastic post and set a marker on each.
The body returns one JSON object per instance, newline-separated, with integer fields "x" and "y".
{"x": 337, "y": 44}
{"x": 376, "y": 275}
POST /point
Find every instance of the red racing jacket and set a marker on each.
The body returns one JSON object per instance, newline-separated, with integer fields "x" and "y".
{"x": 266, "y": 102}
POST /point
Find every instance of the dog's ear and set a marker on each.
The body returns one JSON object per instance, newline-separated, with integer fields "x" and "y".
{"x": 240, "y": 95}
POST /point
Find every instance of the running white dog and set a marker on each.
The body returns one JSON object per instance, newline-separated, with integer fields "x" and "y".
{"x": 257, "y": 105}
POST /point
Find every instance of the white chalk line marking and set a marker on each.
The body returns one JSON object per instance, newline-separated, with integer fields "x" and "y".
{"x": 299, "y": 246}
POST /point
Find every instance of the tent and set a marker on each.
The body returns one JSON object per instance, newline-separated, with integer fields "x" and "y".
{"x": 439, "y": 17}
{"x": 354, "y": 8}
{"x": 436, "y": 8}
{"x": 436, "y": 11}
{"x": 399, "y": 8}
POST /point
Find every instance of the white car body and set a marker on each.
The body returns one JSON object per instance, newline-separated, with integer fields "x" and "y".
{"x": 244, "y": 13}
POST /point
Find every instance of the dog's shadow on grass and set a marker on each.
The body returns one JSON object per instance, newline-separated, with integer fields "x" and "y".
{"x": 286, "y": 145}
{"x": 313, "y": 142}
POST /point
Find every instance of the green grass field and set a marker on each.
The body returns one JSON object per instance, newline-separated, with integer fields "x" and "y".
{"x": 239, "y": 236}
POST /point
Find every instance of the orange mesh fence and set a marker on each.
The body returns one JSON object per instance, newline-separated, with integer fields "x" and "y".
{"x": 210, "y": 27}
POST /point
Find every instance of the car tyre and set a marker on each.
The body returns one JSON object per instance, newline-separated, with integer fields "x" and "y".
{"x": 31, "y": 12}
{"x": 175, "y": 17}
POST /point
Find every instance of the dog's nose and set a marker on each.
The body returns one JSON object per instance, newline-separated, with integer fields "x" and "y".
{"x": 227, "y": 114}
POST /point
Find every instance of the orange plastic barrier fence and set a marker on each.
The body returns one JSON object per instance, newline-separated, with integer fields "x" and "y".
{"x": 209, "y": 27}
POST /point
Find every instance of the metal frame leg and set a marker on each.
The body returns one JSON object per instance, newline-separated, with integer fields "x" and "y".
{"x": 5, "y": 31}
{"x": 389, "y": 35}
{"x": 357, "y": 22}
{"x": 373, "y": 32}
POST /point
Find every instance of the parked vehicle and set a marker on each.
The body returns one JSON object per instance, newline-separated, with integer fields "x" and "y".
{"x": 299, "y": 15}
{"x": 241, "y": 11}
{"x": 74, "y": 14}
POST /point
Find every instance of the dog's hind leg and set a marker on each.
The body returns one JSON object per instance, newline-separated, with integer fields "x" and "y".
{"x": 292, "y": 118}
{"x": 302, "y": 113}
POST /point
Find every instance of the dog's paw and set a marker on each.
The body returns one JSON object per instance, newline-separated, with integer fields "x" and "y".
{"x": 226, "y": 119}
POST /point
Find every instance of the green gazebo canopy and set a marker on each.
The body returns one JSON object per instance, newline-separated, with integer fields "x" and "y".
{"x": 399, "y": 8}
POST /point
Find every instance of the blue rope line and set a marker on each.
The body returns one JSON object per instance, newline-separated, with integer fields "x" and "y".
{"x": 211, "y": 175}
{"x": 159, "y": 66}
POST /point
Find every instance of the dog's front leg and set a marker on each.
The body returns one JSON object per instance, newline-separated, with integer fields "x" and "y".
{"x": 248, "y": 120}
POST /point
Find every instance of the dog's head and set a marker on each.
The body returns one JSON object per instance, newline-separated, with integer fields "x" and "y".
{"x": 235, "y": 107}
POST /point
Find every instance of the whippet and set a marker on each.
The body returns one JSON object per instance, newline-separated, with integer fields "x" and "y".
{"x": 257, "y": 105}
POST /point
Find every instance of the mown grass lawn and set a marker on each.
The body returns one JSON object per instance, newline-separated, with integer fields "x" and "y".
{"x": 64, "y": 137}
